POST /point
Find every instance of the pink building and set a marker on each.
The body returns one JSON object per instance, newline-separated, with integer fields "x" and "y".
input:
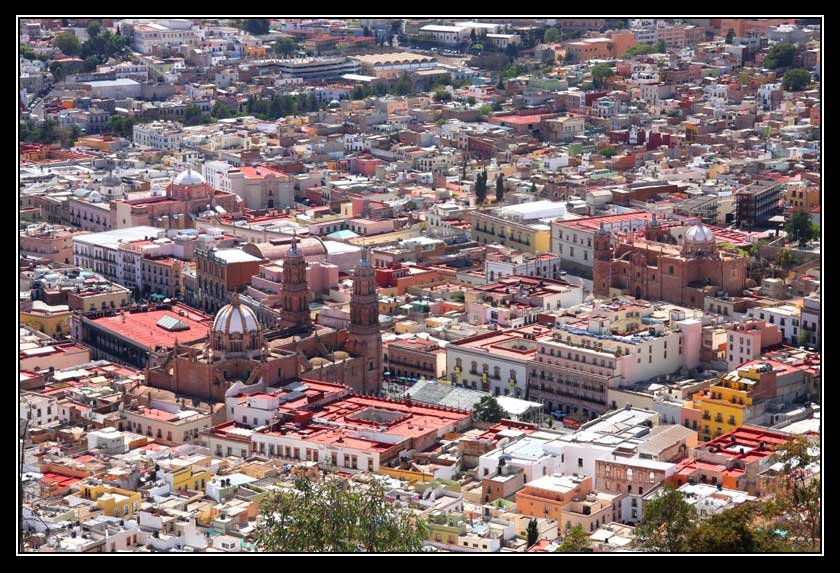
{"x": 746, "y": 340}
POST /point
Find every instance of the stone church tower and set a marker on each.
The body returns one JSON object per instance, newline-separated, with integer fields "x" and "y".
{"x": 602, "y": 263}
{"x": 294, "y": 291}
{"x": 365, "y": 338}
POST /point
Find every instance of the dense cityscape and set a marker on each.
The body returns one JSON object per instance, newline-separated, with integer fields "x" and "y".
{"x": 394, "y": 285}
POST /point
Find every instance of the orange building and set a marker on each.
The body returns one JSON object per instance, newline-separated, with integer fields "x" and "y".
{"x": 547, "y": 496}
{"x": 733, "y": 460}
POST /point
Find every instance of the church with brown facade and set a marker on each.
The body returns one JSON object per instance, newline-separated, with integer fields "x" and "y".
{"x": 651, "y": 267}
{"x": 239, "y": 351}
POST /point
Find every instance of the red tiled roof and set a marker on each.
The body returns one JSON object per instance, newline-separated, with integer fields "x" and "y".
{"x": 142, "y": 327}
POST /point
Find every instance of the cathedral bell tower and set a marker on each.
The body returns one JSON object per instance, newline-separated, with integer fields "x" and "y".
{"x": 602, "y": 263}
{"x": 365, "y": 338}
{"x": 294, "y": 290}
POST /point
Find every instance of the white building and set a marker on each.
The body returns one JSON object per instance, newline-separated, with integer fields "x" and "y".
{"x": 450, "y": 35}
{"x": 41, "y": 411}
{"x": 784, "y": 316}
{"x": 162, "y": 35}
{"x": 527, "y": 453}
{"x": 501, "y": 265}
{"x": 161, "y": 135}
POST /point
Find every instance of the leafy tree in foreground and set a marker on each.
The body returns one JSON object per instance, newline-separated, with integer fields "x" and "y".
{"x": 780, "y": 56}
{"x": 796, "y": 80}
{"x": 481, "y": 187}
{"x": 667, "y": 524}
{"x": 489, "y": 410}
{"x": 799, "y": 227}
{"x": 600, "y": 74}
{"x": 284, "y": 46}
{"x": 640, "y": 50}
{"x": 327, "y": 516}
{"x": 575, "y": 541}
{"x": 68, "y": 43}
{"x": 797, "y": 506}
{"x": 500, "y": 188}
{"x": 532, "y": 532}
{"x": 257, "y": 26}
{"x": 551, "y": 36}
{"x": 730, "y": 35}
{"x": 734, "y": 531}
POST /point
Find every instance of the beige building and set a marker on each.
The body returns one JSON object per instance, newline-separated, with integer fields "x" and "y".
{"x": 179, "y": 427}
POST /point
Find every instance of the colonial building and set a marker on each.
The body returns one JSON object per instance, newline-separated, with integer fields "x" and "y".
{"x": 239, "y": 352}
{"x": 650, "y": 268}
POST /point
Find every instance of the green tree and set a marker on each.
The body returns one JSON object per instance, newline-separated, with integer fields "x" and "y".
{"x": 600, "y": 74}
{"x": 575, "y": 540}
{"x": 551, "y": 36}
{"x": 329, "y": 516}
{"x": 404, "y": 86}
{"x": 441, "y": 94}
{"x": 68, "y": 135}
{"x": 221, "y": 110}
{"x": 481, "y": 187}
{"x": 608, "y": 151}
{"x": 532, "y": 532}
{"x": 257, "y": 26}
{"x": 661, "y": 48}
{"x": 93, "y": 28}
{"x": 780, "y": 56}
{"x": 735, "y": 531}
{"x": 640, "y": 50}
{"x": 533, "y": 187}
{"x": 796, "y": 79}
{"x": 799, "y": 228}
{"x": 786, "y": 259}
{"x": 730, "y": 35}
{"x": 193, "y": 115}
{"x": 488, "y": 410}
{"x": 667, "y": 524}
{"x": 500, "y": 188}
{"x": 569, "y": 58}
{"x": 58, "y": 71}
{"x": 121, "y": 125}
{"x": 471, "y": 100}
{"x": 90, "y": 64}
{"x": 68, "y": 43}
{"x": 797, "y": 506}
{"x": 284, "y": 46}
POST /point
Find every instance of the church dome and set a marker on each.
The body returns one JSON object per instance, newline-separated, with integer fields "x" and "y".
{"x": 235, "y": 319}
{"x": 111, "y": 180}
{"x": 699, "y": 234}
{"x": 189, "y": 177}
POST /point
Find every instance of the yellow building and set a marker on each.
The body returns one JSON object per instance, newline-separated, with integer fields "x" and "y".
{"x": 725, "y": 405}
{"x": 190, "y": 478}
{"x": 113, "y": 501}
{"x": 487, "y": 228}
{"x": 53, "y": 321}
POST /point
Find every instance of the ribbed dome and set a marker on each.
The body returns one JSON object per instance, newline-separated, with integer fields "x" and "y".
{"x": 189, "y": 177}
{"x": 699, "y": 234}
{"x": 235, "y": 319}
{"x": 111, "y": 180}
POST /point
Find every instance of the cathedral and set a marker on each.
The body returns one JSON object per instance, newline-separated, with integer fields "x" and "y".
{"x": 239, "y": 351}
{"x": 650, "y": 267}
